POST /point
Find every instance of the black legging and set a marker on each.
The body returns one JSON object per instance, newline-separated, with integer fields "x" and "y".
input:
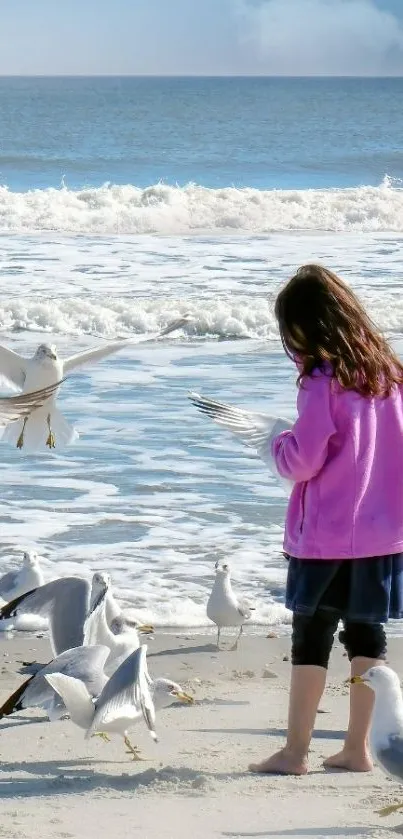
{"x": 312, "y": 638}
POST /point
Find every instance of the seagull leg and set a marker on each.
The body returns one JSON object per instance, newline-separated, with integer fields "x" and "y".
{"x": 235, "y": 646}
{"x": 50, "y": 442}
{"x": 132, "y": 750}
{"x": 387, "y": 811}
{"x": 103, "y": 735}
{"x": 20, "y": 441}
{"x": 218, "y": 637}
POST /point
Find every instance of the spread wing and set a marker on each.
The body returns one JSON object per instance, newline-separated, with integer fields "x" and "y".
{"x": 17, "y": 407}
{"x": 253, "y": 429}
{"x": 110, "y": 347}
{"x": 64, "y": 602}
{"x": 126, "y": 695}
{"x": 12, "y": 367}
{"x": 83, "y": 663}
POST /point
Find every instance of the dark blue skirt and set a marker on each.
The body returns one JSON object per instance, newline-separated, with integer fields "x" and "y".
{"x": 362, "y": 590}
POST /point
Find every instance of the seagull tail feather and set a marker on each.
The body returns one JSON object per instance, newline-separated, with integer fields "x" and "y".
{"x": 14, "y": 702}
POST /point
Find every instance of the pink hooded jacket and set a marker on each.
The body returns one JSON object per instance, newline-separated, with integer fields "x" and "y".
{"x": 345, "y": 453}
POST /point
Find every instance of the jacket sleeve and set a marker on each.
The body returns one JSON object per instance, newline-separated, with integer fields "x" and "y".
{"x": 299, "y": 454}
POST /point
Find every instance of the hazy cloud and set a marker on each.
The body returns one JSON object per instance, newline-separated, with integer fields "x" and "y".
{"x": 338, "y": 37}
{"x": 207, "y": 37}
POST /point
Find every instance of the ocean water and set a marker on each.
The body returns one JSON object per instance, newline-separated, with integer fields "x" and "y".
{"x": 126, "y": 202}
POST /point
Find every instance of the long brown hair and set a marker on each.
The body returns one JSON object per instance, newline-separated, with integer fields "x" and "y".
{"x": 324, "y": 325}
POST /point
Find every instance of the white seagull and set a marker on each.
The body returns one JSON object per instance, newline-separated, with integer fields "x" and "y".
{"x": 223, "y": 607}
{"x": 127, "y": 696}
{"x": 47, "y": 424}
{"x": 118, "y": 633}
{"x": 386, "y": 735}
{"x": 253, "y": 429}
{"x": 18, "y": 582}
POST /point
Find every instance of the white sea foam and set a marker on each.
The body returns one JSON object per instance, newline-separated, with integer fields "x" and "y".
{"x": 152, "y": 492}
{"x": 163, "y": 209}
{"x": 241, "y": 317}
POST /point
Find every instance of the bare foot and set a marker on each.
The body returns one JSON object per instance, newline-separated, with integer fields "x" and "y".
{"x": 349, "y": 760}
{"x": 281, "y": 763}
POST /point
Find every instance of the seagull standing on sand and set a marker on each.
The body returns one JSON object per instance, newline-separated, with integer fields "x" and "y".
{"x": 46, "y": 424}
{"x": 223, "y": 607}
{"x": 253, "y": 429}
{"x": 29, "y": 576}
{"x": 127, "y": 696}
{"x": 386, "y": 735}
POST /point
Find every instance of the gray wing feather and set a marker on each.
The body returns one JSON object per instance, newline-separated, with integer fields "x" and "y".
{"x": 391, "y": 758}
{"x": 7, "y": 583}
{"x": 144, "y": 694}
{"x": 253, "y": 429}
{"x": 64, "y": 602}
{"x": 119, "y": 690}
{"x": 110, "y": 347}
{"x": 15, "y": 407}
{"x": 84, "y": 663}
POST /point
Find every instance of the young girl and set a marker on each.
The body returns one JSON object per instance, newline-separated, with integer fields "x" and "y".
{"x": 344, "y": 528}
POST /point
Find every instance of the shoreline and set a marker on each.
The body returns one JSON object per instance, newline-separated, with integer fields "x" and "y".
{"x": 53, "y": 783}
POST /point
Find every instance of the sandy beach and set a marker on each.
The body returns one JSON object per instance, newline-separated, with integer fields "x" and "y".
{"x": 194, "y": 781}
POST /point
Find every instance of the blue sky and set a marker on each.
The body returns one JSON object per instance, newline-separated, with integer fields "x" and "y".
{"x": 208, "y": 37}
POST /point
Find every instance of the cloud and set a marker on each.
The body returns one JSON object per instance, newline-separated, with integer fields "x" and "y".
{"x": 322, "y": 37}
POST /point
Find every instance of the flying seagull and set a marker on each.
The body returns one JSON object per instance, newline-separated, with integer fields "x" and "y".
{"x": 44, "y": 369}
{"x": 253, "y": 429}
{"x": 14, "y": 408}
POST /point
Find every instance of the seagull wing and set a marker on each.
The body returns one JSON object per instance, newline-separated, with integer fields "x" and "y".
{"x": 7, "y": 583}
{"x": 110, "y": 347}
{"x": 118, "y": 696}
{"x": 253, "y": 429}
{"x": 390, "y": 756}
{"x": 83, "y": 663}
{"x": 17, "y": 407}
{"x": 144, "y": 693}
{"x": 126, "y": 695}
{"x": 64, "y": 602}
{"x": 12, "y": 367}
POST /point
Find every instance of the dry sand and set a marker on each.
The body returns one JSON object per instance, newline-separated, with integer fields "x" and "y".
{"x": 195, "y": 783}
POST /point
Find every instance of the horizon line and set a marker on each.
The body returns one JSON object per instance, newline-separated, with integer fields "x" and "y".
{"x": 196, "y": 76}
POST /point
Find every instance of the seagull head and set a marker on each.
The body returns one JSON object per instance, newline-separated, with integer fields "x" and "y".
{"x": 120, "y": 624}
{"x": 46, "y": 352}
{"x": 222, "y": 569}
{"x": 164, "y": 691}
{"x": 30, "y": 558}
{"x": 382, "y": 679}
{"x": 101, "y": 582}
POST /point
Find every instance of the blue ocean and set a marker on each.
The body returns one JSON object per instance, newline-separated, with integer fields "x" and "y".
{"x": 125, "y": 202}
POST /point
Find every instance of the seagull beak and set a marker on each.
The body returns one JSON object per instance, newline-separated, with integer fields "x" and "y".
{"x": 145, "y": 628}
{"x": 356, "y": 680}
{"x": 183, "y": 697}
